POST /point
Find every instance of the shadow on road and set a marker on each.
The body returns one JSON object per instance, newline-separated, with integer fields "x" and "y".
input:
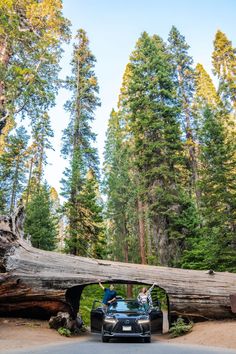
{"x": 95, "y": 337}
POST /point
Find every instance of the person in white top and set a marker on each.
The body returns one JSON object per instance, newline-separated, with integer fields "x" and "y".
{"x": 145, "y": 298}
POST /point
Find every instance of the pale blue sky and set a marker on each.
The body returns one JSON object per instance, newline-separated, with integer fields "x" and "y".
{"x": 113, "y": 27}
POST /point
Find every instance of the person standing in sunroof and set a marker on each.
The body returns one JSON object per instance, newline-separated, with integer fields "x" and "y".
{"x": 109, "y": 295}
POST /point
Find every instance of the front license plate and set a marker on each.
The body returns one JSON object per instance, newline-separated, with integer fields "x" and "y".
{"x": 126, "y": 328}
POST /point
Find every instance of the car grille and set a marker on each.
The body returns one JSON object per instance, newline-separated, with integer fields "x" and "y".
{"x": 134, "y": 325}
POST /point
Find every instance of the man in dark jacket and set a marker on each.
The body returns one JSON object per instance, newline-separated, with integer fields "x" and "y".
{"x": 109, "y": 294}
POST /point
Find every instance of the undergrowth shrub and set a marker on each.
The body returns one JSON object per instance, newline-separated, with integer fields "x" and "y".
{"x": 64, "y": 332}
{"x": 179, "y": 328}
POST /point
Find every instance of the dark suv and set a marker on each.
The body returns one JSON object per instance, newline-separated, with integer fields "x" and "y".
{"x": 125, "y": 318}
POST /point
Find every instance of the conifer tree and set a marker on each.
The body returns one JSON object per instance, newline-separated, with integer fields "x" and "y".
{"x": 218, "y": 187}
{"x": 184, "y": 80}
{"x": 40, "y": 224}
{"x": 41, "y": 134}
{"x": 41, "y": 142}
{"x": 153, "y": 114}
{"x": 205, "y": 90}
{"x": 224, "y": 67}
{"x": 78, "y": 144}
{"x": 224, "y": 64}
{"x": 216, "y": 247}
{"x": 58, "y": 218}
{"x": 121, "y": 206}
{"x": 12, "y": 169}
{"x": 205, "y": 96}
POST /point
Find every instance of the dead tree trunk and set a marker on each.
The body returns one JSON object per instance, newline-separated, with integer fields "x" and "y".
{"x": 39, "y": 283}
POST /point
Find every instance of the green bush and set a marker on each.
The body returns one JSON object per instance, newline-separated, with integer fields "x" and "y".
{"x": 64, "y": 332}
{"x": 179, "y": 328}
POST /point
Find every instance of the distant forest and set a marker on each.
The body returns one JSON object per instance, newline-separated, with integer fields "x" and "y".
{"x": 167, "y": 192}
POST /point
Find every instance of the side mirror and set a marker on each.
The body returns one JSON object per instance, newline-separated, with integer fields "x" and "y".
{"x": 96, "y": 304}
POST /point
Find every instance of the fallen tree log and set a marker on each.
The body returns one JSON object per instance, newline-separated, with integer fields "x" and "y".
{"x": 39, "y": 283}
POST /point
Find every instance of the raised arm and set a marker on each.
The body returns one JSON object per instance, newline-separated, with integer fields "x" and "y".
{"x": 101, "y": 286}
{"x": 150, "y": 289}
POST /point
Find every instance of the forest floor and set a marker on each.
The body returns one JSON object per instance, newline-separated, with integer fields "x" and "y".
{"x": 25, "y": 333}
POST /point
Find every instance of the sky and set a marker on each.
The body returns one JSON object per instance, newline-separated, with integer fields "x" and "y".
{"x": 113, "y": 28}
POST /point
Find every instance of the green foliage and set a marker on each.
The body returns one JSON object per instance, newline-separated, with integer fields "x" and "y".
{"x": 179, "y": 328}
{"x": 64, "y": 332}
{"x": 39, "y": 221}
{"x": 89, "y": 294}
{"x": 87, "y": 236}
{"x": 121, "y": 190}
{"x": 215, "y": 245}
{"x": 41, "y": 134}
{"x": 31, "y": 34}
{"x": 12, "y": 169}
{"x": 224, "y": 63}
{"x": 183, "y": 74}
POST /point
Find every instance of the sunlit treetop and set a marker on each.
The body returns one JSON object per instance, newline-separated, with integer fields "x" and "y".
{"x": 205, "y": 88}
{"x": 42, "y": 18}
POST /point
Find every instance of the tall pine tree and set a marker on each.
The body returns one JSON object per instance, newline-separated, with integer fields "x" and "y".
{"x": 78, "y": 147}
{"x": 184, "y": 79}
{"x": 121, "y": 191}
{"x": 224, "y": 64}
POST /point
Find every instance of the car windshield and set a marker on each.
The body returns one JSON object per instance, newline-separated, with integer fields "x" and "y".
{"x": 126, "y": 306}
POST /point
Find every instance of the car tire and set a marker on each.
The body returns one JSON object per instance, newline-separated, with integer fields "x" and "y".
{"x": 105, "y": 339}
{"x": 147, "y": 340}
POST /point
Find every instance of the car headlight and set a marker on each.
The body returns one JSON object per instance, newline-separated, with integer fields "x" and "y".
{"x": 143, "y": 322}
{"x": 110, "y": 320}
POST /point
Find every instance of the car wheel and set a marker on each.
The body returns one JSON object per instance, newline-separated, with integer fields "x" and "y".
{"x": 147, "y": 340}
{"x": 105, "y": 339}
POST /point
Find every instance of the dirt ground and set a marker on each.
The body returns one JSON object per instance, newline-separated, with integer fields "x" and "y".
{"x": 24, "y": 333}
{"x": 209, "y": 333}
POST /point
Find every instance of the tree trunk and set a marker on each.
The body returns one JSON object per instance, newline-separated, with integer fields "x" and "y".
{"x": 141, "y": 232}
{"x": 28, "y": 189}
{"x": 40, "y": 283}
{"x": 129, "y": 289}
{"x": 4, "y": 60}
{"x": 149, "y": 236}
{"x": 14, "y": 186}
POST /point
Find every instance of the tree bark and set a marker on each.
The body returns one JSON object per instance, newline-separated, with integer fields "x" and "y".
{"x": 129, "y": 291}
{"x": 141, "y": 232}
{"x": 40, "y": 283}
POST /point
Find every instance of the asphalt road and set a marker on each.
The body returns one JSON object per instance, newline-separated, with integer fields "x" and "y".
{"x": 93, "y": 345}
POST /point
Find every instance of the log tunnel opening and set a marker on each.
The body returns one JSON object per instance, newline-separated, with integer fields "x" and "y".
{"x": 74, "y": 297}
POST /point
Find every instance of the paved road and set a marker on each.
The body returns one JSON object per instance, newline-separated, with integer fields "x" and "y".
{"x": 93, "y": 345}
